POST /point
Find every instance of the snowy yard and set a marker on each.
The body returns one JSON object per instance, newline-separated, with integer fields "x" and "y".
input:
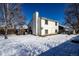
{"x": 30, "y": 45}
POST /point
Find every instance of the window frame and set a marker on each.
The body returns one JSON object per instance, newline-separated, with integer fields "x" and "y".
{"x": 55, "y": 23}
{"x": 46, "y": 22}
{"x": 46, "y": 31}
{"x": 56, "y": 31}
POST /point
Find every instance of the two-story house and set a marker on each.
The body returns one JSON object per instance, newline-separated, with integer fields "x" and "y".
{"x": 43, "y": 26}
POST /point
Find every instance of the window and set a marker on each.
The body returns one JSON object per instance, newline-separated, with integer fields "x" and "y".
{"x": 55, "y": 23}
{"x": 46, "y": 21}
{"x": 56, "y": 31}
{"x": 46, "y": 31}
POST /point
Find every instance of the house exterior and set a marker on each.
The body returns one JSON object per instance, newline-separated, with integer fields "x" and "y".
{"x": 43, "y": 26}
{"x": 21, "y": 29}
{"x": 61, "y": 29}
{"x": 65, "y": 29}
{"x": 13, "y": 29}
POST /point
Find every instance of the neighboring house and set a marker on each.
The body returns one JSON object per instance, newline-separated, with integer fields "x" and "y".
{"x": 21, "y": 29}
{"x": 61, "y": 29}
{"x": 2, "y": 29}
{"x": 10, "y": 30}
{"x": 65, "y": 29}
{"x": 13, "y": 29}
{"x": 43, "y": 26}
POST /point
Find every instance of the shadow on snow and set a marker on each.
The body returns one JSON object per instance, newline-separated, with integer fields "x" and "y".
{"x": 67, "y": 48}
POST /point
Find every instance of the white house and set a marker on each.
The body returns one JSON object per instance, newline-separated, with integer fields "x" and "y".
{"x": 43, "y": 26}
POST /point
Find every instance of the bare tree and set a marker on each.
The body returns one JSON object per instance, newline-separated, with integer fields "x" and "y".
{"x": 10, "y": 14}
{"x": 72, "y": 16}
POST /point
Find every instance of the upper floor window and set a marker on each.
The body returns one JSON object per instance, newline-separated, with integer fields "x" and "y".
{"x": 46, "y": 21}
{"x": 55, "y": 23}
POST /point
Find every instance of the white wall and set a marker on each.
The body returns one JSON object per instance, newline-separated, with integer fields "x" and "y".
{"x": 35, "y": 23}
{"x": 50, "y": 27}
{"x": 38, "y": 25}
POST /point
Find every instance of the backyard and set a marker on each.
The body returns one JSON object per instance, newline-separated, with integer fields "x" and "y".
{"x": 30, "y": 45}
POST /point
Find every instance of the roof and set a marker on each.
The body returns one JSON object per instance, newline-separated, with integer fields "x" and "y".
{"x": 24, "y": 26}
{"x": 45, "y": 19}
{"x": 64, "y": 26}
{"x": 48, "y": 19}
{"x": 2, "y": 25}
{"x": 67, "y": 28}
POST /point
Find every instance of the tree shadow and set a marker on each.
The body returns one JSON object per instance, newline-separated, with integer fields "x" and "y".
{"x": 67, "y": 48}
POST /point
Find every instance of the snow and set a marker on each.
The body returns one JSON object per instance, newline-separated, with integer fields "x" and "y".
{"x": 24, "y": 26}
{"x": 30, "y": 45}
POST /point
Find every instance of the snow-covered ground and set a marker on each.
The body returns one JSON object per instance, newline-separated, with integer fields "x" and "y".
{"x": 30, "y": 45}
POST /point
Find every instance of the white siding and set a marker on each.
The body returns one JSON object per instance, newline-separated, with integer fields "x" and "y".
{"x": 38, "y": 25}
{"x": 50, "y": 27}
{"x": 35, "y": 23}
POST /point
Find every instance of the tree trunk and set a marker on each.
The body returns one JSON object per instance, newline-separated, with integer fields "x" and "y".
{"x": 5, "y": 29}
{"x": 74, "y": 32}
{"x": 5, "y": 35}
{"x": 6, "y": 19}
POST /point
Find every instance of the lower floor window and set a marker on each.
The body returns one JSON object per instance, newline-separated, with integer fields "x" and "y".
{"x": 56, "y": 30}
{"x": 46, "y": 31}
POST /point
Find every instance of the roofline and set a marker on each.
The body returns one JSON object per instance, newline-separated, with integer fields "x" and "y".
{"x": 64, "y": 26}
{"x": 49, "y": 19}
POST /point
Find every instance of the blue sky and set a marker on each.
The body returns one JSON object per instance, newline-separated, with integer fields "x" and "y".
{"x": 53, "y": 11}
